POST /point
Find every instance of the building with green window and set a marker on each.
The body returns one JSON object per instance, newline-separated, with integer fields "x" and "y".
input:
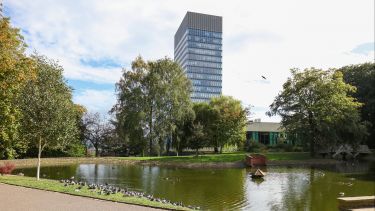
{"x": 267, "y": 133}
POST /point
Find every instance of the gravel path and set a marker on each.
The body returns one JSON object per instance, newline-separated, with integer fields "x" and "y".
{"x": 14, "y": 198}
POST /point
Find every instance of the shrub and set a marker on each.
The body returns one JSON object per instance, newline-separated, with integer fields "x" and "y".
{"x": 282, "y": 147}
{"x": 297, "y": 149}
{"x": 7, "y": 168}
{"x": 256, "y": 147}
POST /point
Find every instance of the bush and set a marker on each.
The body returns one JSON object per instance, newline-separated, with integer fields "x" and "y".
{"x": 282, "y": 147}
{"x": 7, "y": 168}
{"x": 297, "y": 149}
{"x": 253, "y": 146}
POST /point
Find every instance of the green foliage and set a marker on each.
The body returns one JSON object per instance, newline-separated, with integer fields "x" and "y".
{"x": 15, "y": 70}
{"x": 75, "y": 150}
{"x": 229, "y": 122}
{"x": 316, "y": 107}
{"x": 362, "y": 76}
{"x": 152, "y": 98}
{"x": 198, "y": 138}
{"x": 254, "y": 146}
{"x": 46, "y": 105}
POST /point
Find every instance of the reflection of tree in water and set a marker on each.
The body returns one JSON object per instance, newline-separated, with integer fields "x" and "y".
{"x": 321, "y": 190}
{"x": 50, "y": 172}
{"x": 293, "y": 192}
{"x": 220, "y": 189}
{"x": 225, "y": 189}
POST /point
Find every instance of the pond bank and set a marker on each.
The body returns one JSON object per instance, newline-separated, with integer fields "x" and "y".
{"x": 77, "y": 190}
{"x": 20, "y": 163}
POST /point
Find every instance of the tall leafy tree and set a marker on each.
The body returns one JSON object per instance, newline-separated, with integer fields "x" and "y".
{"x": 362, "y": 76}
{"x": 15, "y": 70}
{"x": 198, "y": 138}
{"x": 316, "y": 106}
{"x": 229, "y": 126}
{"x": 46, "y": 105}
{"x": 152, "y": 97}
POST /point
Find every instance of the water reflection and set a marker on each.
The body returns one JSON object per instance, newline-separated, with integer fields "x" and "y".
{"x": 231, "y": 189}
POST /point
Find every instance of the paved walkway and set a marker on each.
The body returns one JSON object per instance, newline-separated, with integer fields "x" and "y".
{"x": 14, "y": 198}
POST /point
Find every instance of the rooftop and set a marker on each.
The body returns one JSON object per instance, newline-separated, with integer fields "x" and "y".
{"x": 264, "y": 127}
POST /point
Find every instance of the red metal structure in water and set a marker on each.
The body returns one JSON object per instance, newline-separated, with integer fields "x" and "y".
{"x": 255, "y": 160}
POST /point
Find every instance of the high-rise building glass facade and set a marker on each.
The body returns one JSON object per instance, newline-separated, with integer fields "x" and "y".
{"x": 198, "y": 49}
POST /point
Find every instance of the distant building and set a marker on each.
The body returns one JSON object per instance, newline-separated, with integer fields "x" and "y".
{"x": 198, "y": 49}
{"x": 268, "y": 133}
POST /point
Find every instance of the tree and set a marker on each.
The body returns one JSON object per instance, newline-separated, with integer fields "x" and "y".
{"x": 198, "y": 138}
{"x": 97, "y": 131}
{"x": 197, "y": 131}
{"x": 78, "y": 147}
{"x": 46, "y": 106}
{"x": 229, "y": 125}
{"x": 15, "y": 70}
{"x": 152, "y": 98}
{"x": 315, "y": 106}
{"x": 362, "y": 76}
{"x": 183, "y": 133}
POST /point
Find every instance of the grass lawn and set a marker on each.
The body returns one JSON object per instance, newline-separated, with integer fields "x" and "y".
{"x": 53, "y": 185}
{"x": 225, "y": 157}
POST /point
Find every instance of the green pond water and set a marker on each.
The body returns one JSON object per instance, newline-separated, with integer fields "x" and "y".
{"x": 283, "y": 188}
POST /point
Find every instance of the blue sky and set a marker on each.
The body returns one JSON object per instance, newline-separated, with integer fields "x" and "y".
{"x": 93, "y": 40}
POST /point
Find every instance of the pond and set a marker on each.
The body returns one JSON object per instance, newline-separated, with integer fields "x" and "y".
{"x": 283, "y": 188}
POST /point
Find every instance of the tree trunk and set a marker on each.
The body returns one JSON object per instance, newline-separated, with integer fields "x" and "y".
{"x": 178, "y": 147}
{"x": 196, "y": 152}
{"x": 313, "y": 134}
{"x": 150, "y": 130}
{"x": 96, "y": 151}
{"x": 169, "y": 143}
{"x": 39, "y": 155}
{"x": 312, "y": 147}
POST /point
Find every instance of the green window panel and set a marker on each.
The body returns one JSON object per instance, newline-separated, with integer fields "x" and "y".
{"x": 255, "y": 136}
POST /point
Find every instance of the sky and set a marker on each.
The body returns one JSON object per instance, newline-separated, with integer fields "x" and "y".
{"x": 94, "y": 39}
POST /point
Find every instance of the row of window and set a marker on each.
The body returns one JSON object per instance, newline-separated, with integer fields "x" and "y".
{"x": 206, "y": 83}
{"x": 205, "y": 58}
{"x": 204, "y": 95}
{"x": 181, "y": 44}
{"x": 203, "y": 76}
{"x": 204, "y": 64}
{"x": 192, "y": 44}
{"x": 203, "y": 70}
{"x": 180, "y": 55}
{"x": 199, "y": 32}
{"x": 204, "y": 39}
{"x": 206, "y": 89}
{"x": 204, "y": 51}
{"x": 181, "y": 47}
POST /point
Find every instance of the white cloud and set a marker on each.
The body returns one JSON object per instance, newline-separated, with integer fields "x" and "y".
{"x": 96, "y": 100}
{"x": 260, "y": 37}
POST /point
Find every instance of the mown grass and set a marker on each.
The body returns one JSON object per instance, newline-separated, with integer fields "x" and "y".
{"x": 225, "y": 157}
{"x": 53, "y": 185}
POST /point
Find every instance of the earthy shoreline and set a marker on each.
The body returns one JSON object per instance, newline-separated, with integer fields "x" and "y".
{"x": 21, "y": 163}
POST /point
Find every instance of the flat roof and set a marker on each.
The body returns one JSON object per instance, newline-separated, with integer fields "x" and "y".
{"x": 264, "y": 127}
